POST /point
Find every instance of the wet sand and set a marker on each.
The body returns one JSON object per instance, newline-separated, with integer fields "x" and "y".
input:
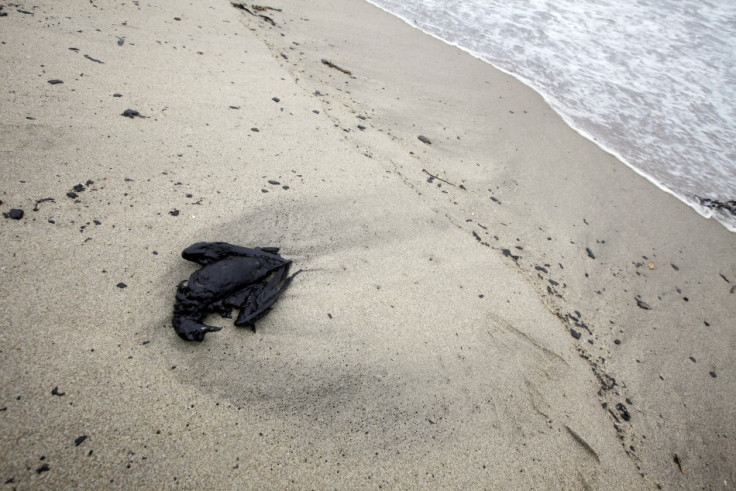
{"x": 499, "y": 304}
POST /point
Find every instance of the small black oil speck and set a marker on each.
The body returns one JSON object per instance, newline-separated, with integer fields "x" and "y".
{"x": 121, "y": 285}
{"x": 623, "y": 411}
{"x": 642, "y": 304}
{"x": 14, "y": 214}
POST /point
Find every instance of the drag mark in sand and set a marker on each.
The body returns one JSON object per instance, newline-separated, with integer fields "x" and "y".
{"x": 583, "y": 443}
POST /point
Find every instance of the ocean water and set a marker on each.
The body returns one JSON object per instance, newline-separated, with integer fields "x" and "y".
{"x": 650, "y": 81}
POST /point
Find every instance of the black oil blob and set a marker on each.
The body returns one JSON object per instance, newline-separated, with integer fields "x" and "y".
{"x": 231, "y": 277}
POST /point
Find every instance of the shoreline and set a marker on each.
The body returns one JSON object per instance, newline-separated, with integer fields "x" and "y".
{"x": 465, "y": 317}
{"x": 726, "y": 218}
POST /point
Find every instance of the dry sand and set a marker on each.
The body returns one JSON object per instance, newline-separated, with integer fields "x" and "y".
{"x": 446, "y": 332}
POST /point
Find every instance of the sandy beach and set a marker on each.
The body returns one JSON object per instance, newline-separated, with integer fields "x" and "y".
{"x": 499, "y": 304}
